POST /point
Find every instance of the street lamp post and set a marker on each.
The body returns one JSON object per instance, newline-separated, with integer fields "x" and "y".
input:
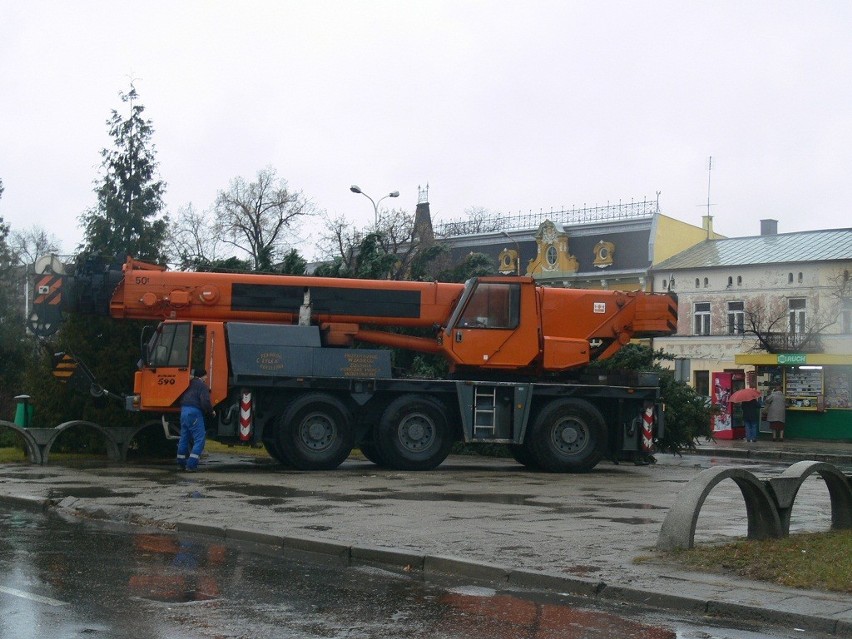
{"x": 357, "y": 189}
{"x": 517, "y": 252}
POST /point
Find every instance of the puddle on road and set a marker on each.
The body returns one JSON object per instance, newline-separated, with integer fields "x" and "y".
{"x": 301, "y": 510}
{"x": 630, "y": 520}
{"x": 267, "y": 501}
{"x": 374, "y": 495}
{"x": 92, "y": 492}
{"x": 615, "y": 503}
{"x": 23, "y": 474}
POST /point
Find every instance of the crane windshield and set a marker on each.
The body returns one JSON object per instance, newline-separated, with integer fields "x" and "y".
{"x": 169, "y": 346}
{"x": 489, "y": 305}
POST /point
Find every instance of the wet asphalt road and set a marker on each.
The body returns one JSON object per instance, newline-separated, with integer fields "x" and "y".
{"x": 62, "y": 577}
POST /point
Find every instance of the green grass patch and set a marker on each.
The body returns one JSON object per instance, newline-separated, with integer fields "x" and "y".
{"x": 815, "y": 561}
{"x": 12, "y": 454}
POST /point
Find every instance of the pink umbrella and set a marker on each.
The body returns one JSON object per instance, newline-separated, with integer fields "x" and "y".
{"x": 744, "y": 395}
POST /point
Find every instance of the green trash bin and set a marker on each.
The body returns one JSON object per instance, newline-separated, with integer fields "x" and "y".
{"x": 24, "y": 411}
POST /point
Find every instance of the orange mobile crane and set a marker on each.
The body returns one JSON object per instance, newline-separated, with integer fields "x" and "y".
{"x": 287, "y": 367}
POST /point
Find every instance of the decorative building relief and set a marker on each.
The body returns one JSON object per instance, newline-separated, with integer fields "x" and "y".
{"x": 604, "y": 254}
{"x": 508, "y": 260}
{"x": 553, "y": 256}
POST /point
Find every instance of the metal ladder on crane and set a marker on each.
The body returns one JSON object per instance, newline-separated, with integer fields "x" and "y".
{"x": 484, "y": 410}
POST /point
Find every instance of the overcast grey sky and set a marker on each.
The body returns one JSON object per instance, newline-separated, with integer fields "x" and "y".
{"x": 511, "y": 106}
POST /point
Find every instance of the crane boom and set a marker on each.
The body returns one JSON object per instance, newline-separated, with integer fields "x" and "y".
{"x": 500, "y": 322}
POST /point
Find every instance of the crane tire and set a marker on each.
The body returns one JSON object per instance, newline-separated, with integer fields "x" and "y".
{"x": 568, "y": 436}
{"x": 371, "y": 452}
{"x": 413, "y": 434}
{"x": 315, "y": 432}
{"x": 521, "y": 454}
{"x": 272, "y": 450}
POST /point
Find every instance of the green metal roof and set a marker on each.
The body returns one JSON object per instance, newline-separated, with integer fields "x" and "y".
{"x": 782, "y": 248}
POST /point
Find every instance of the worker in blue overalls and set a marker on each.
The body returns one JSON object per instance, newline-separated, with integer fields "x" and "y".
{"x": 194, "y": 404}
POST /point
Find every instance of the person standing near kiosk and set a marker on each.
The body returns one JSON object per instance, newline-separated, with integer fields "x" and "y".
{"x": 775, "y": 409}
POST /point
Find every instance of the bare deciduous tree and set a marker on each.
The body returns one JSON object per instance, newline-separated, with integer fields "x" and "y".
{"x": 386, "y": 251}
{"x": 767, "y": 319}
{"x": 33, "y": 243}
{"x": 477, "y": 219}
{"x": 193, "y": 241}
{"x": 253, "y": 216}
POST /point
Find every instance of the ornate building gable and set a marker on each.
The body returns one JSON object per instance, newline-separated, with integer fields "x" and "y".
{"x": 553, "y": 257}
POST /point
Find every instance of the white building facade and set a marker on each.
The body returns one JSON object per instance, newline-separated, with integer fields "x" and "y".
{"x": 792, "y": 290}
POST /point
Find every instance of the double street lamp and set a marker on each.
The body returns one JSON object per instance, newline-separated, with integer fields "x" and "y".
{"x": 357, "y": 189}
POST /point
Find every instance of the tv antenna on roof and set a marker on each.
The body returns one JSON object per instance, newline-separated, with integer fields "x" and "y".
{"x": 709, "y": 173}
{"x": 708, "y": 218}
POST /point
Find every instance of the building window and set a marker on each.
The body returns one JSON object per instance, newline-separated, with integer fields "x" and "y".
{"x": 706, "y": 282}
{"x": 736, "y": 318}
{"x": 730, "y": 281}
{"x": 800, "y": 277}
{"x": 797, "y": 307}
{"x": 671, "y": 284}
{"x": 702, "y": 318}
{"x": 789, "y": 278}
{"x": 551, "y": 255}
{"x": 697, "y": 283}
{"x": 739, "y": 280}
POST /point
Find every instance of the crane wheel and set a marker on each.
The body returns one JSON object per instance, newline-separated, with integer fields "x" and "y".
{"x": 413, "y": 434}
{"x": 272, "y": 450}
{"x": 371, "y": 452}
{"x": 568, "y": 436}
{"x": 521, "y": 454}
{"x": 315, "y": 432}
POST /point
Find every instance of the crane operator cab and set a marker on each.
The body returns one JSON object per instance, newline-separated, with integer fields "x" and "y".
{"x": 495, "y": 324}
{"x": 170, "y": 352}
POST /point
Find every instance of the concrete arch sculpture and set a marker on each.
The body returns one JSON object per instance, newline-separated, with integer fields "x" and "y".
{"x": 785, "y": 488}
{"x": 30, "y": 443}
{"x": 39, "y": 441}
{"x": 678, "y": 530}
{"x": 113, "y": 451}
{"x": 769, "y": 503}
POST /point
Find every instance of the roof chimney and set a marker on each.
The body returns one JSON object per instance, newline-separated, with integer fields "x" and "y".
{"x": 769, "y": 227}
{"x": 707, "y": 225}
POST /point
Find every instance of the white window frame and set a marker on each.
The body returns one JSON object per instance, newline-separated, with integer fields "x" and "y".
{"x": 736, "y": 318}
{"x": 701, "y": 318}
{"x": 797, "y": 312}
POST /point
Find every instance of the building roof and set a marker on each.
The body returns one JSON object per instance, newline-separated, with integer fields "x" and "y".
{"x": 782, "y": 248}
{"x": 631, "y": 248}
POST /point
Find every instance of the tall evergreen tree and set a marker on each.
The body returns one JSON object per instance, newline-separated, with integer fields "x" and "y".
{"x": 12, "y": 344}
{"x": 126, "y": 220}
{"x": 130, "y": 194}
